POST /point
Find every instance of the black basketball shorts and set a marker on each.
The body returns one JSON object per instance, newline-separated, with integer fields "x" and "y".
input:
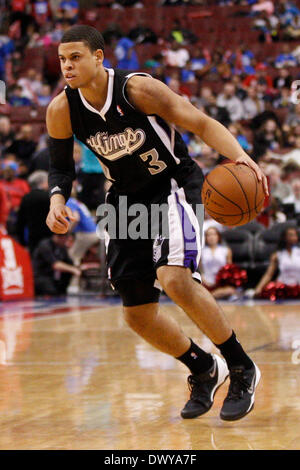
{"x": 174, "y": 238}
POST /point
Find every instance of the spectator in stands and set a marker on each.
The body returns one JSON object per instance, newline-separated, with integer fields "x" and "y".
{"x": 176, "y": 55}
{"x": 232, "y": 103}
{"x": 286, "y": 11}
{"x": 286, "y": 260}
{"x": 52, "y": 266}
{"x": 237, "y": 130}
{"x": 218, "y": 68}
{"x": 214, "y": 256}
{"x": 40, "y": 159}
{"x": 283, "y": 79}
{"x": 24, "y": 146}
{"x": 45, "y": 96}
{"x": 278, "y": 188}
{"x": 16, "y": 98}
{"x": 187, "y": 74}
{"x": 68, "y": 10}
{"x": 286, "y": 58}
{"x": 7, "y": 47}
{"x": 41, "y": 12}
{"x": 91, "y": 179}
{"x": 142, "y": 34}
{"x": 268, "y": 25}
{"x": 263, "y": 5}
{"x": 125, "y": 54}
{"x": 84, "y": 228}
{"x": 7, "y": 135}
{"x": 268, "y": 136}
{"x": 292, "y": 31}
{"x": 260, "y": 76}
{"x": 293, "y": 117}
{"x": 33, "y": 211}
{"x": 283, "y": 100}
{"x": 31, "y": 84}
{"x": 15, "y": 188}
{"x": 294, "y": 198}
{"x": 199, "y": 59}
{"x": 291, "y": 160}
{"x": 240, "y": 90}
{"x": 220, "y": 113}
{"x": 180, "y": 34}
{"x": 253, "y": 104}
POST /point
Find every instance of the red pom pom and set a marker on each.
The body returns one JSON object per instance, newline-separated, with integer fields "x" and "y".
{"x": 231, "y": 275}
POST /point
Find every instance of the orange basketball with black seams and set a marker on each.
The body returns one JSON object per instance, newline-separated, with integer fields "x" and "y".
{"x": 232, "y": 194}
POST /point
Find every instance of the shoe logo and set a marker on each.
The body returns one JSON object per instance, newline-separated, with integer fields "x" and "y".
{"x": 213, "y": 373}
{"x": 252, "y": 386}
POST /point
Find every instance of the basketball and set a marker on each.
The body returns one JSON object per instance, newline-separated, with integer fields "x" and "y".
{"x": 232, "y": 195}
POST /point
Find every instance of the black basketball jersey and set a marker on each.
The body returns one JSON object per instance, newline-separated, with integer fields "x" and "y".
{"x": 137, "y": 152}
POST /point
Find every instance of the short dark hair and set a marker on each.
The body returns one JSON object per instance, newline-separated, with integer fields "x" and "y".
{"x": 84, "y": 33}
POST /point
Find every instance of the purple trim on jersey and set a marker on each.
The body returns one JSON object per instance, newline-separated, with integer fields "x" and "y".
{"x": 189, "y": 238}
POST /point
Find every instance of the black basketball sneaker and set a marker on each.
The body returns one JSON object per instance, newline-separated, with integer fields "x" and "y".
{"x": 240, "y": 398}
{"x": 203, "y": 388}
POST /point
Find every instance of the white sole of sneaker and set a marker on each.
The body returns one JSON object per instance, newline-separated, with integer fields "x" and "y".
{"x": 257, "y": 379}
{"x": 251, "y": 406}
{"x": 223, "y": 373}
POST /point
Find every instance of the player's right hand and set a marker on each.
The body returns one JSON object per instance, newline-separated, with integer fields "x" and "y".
{"x": 57, "y": 218}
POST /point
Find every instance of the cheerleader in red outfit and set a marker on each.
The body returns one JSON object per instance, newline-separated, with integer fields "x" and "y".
{"x": 213, "y": 258}
{"x": 287, "y": 261}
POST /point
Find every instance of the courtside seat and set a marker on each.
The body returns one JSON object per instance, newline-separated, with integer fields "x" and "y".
{"x": 241, "y": 243}
{"x": 266, "y": 243}
{"x": 254, "y": 227}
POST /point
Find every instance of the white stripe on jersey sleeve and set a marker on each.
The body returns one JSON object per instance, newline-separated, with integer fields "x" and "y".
{"x": 169, "y": 143}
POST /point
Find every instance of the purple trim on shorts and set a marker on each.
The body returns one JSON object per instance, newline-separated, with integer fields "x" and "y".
{"x": 189, "y": 238}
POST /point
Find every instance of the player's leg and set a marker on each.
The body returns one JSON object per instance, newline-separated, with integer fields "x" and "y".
{"x": 202, "y": 308}
{"x": 178, "y": 257}
{"x": 163, "y": 332}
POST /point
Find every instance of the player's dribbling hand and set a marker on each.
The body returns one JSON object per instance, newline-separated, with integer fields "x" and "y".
{"x": 57, "y": 218}
{"x": 259, "y": 173}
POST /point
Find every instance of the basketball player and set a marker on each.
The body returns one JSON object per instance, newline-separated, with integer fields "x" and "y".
{"x": 127, "y": 120}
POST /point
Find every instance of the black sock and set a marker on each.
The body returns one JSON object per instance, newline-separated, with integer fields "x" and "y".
{"x": 197, "y": 360}
{"x": 234, "y": 354}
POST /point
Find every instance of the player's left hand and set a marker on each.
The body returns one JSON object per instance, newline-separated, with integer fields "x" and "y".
{"x": 246, "y": 160}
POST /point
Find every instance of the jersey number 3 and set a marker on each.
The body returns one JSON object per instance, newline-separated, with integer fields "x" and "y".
{"x": 155, "y": 165}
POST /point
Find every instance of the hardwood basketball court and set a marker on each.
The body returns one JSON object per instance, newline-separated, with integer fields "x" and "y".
{"x": 74, "y": 376}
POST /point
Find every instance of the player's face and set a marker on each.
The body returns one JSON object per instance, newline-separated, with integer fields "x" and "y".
{"x": 79, "y": 65}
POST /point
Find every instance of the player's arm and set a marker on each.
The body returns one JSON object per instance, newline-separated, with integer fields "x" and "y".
{"x": 61, "y": 168}
{"x": 268, "y": 276}
{"x": 153, "y": 97}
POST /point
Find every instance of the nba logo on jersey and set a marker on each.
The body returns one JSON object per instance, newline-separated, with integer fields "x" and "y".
{"x": 120, "y": 110}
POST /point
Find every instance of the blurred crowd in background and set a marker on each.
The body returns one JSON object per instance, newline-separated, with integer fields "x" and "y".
{"x": 238, "y": 61}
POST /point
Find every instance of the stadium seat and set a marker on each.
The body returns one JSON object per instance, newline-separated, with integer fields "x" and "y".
{"x": 254, "y": 227}
{"x": 266, "y": 243}
{"x": 241, "y": 243}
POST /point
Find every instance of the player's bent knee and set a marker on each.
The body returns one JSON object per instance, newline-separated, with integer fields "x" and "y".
{"x": 174, "y": 280}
